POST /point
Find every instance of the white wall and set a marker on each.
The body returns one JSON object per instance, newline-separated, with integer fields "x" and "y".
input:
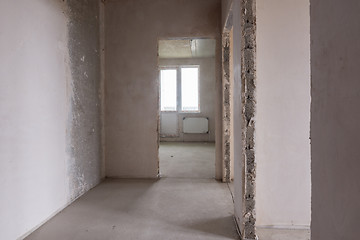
{"x": 33, "y": 114}
{"x": 335, "y": 118}
{"x": 206, "y": 98}
{"x": 40, "y": 171}
{"x": 283, "y": 113}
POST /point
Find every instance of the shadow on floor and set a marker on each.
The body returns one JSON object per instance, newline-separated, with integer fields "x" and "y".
{"x": 224, "y": 226}
{"x": 162, "y": 209}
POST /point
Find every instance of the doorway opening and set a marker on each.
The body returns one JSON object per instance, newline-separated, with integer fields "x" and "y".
{"x": 187, "y": 81}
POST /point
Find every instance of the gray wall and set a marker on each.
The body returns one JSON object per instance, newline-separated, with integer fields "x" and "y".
{"x": 335, "y": 118}
{"x": 132, "y": 91}
{"x": 237, "y": 116}
{"x": 206, "y": 98}
{"x": 49, "y": 109}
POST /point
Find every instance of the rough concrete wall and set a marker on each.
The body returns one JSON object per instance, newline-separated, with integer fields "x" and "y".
{"x": 283, "y": 114}
{"x": 207, "y": 79}
{"x": 248, "y": 77}
{"x": 226, "y": 106}
{"x": 43, "y": 98}
{"x": 84, "y": 122}
{"x": 133, "y": 28}
{"x": 232, "y": 107}
{"x": 218, "y": 115}
{"x": 335, "y": 117}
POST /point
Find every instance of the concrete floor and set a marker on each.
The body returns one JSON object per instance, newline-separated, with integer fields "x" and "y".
{"x": 186, "y": 204}
{"x": 168, "y": 208}
{"x": 187, "y": 160}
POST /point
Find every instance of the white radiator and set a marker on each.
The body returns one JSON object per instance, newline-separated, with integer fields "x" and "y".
{"x": 195, "y": 125}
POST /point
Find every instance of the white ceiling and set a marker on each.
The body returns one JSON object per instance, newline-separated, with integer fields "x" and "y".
{"x": 187, "y": 48}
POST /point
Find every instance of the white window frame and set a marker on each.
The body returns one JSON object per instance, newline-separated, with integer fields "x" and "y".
{"x": 178, "y": 88}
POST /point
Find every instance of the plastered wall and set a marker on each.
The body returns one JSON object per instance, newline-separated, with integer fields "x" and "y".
{"x": 335, "y": 117}
{"x": 282, "y": 145}
{"x": 207, "y": 80}
{"x": 132, "y": 32}
{"x": 49, "y": 109}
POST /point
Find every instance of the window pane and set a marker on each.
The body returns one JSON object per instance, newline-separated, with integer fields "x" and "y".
{"x": 168, "y": 90}
{"x": 189, "y": 89}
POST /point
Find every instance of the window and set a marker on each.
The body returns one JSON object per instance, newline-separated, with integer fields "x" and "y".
{"x": 187, "y": 79}
{"x": 189, "y": 89}
{"x": 168, "y": 90}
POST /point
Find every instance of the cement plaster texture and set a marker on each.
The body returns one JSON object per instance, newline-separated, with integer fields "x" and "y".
{"x": 84, "y": 119}
{"x": 132, "y": 31}
{"x": 169, "y": 208}
{"x": 187, "y": 160}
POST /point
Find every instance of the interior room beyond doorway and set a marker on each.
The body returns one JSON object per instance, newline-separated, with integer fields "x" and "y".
{"x": 187, "y": 107}
{"x": 187, "y": 160}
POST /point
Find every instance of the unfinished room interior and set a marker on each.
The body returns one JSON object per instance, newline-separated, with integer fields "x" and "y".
{"x": 180, "y": 119}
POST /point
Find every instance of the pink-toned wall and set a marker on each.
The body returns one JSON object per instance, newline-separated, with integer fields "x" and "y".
{"x": 131, "y": 35}
{"x": 282, "y": 145}
{"x": 335, "y": 118}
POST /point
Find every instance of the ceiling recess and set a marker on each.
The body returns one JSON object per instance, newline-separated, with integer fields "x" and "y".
{"x": 187, "y": 48}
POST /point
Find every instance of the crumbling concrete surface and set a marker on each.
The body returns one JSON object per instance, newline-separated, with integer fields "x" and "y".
{"x": 226, "y": 114}
{"x": 248, "y": 77}
{"x": 84, "y": 96}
